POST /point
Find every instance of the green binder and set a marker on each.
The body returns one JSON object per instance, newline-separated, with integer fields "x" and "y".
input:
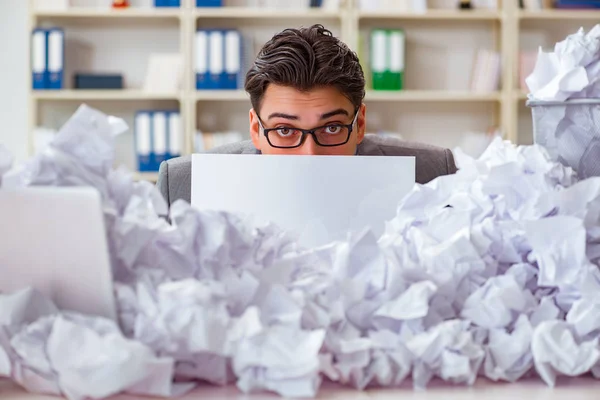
{"x": 379, "y": 65}
{"x": 396, "y": 53}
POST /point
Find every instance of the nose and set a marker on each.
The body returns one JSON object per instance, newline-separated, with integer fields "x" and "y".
{"x": 309, "y": 147}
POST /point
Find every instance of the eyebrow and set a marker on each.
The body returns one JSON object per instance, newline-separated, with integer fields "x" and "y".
{"x": 282, "y": 115}
{"x": 339, "y": 111}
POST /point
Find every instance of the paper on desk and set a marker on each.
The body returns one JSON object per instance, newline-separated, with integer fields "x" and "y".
{"x": 571, "y": 71}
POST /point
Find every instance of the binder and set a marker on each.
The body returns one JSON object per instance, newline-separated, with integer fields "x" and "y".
{"x": 379, "y": 65}
{"x": 233, "y": 59}
{"x": 173, "y": 3}
{"x": 39, "y": 59}
{"x": 159, "y": 139}
{"x": 216, "y": 59}
{"x": 202, "y": 60}
{"x": 160, "y": 3}
{"x": 395, "y": 75}
{"x": 175, "y": 134}
{"x": 143, "y": 141}
{"x": 56, "y": 58}
{"x": 209, "y": 3}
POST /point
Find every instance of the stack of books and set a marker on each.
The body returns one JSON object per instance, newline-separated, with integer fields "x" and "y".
{"x": 486, "y": 71}
{"x": 205, "y": 141}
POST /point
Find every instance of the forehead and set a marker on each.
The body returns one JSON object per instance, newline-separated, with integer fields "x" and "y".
{"x": 288, "y": 99}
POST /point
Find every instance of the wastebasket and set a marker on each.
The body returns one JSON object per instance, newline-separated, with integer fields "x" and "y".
{"x": 570, "y": 132}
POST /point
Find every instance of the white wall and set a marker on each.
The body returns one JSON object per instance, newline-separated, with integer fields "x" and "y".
{"x": 13, "y": 76}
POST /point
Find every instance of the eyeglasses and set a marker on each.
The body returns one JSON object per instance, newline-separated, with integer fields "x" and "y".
{"x": 328, "y": 135}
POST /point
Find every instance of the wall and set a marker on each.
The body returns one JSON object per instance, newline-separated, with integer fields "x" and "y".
{"x": 13, "y": 76}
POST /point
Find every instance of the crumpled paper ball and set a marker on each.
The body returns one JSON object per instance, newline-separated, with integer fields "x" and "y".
{"x": 490, "y": 271}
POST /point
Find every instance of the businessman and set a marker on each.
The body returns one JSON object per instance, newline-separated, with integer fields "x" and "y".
{"x": 307, "y": 89}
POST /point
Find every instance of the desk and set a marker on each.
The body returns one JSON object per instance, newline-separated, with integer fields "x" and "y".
{"x": 533, "y": 389}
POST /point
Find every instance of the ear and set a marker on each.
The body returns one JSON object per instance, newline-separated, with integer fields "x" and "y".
{"x": 361, "y": 123}
{"x": 254, "y": 129}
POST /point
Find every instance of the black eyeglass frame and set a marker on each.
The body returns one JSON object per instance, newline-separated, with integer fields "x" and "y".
{"x": 311, "y": 132}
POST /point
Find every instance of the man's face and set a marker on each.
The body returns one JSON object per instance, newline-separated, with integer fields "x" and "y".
{"x": 285, "y": 107}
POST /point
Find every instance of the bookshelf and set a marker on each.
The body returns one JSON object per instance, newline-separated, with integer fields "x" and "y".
{"x": 436, "y": 101}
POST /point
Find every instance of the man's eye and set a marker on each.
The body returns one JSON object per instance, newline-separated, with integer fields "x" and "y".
{"x": 285, "y": 132}
{"x": 333, "y": 129}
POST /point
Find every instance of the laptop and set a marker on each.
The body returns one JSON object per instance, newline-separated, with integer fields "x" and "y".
{"x": 318, "y": 199}
{"x": 53, "y": 239}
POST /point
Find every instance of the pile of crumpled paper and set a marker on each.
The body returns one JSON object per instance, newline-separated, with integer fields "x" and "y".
{"x": 489, "y": 272}
{"x": 571, "y": 71}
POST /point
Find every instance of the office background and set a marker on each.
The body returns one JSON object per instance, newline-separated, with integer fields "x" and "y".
{"x": 443, "y": 100}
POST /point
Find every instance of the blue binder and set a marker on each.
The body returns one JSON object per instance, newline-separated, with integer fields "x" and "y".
{"x": 209, "y": 3}
{"x": 201, "y": 67}
{"x": 39, "y": 59}
{"x": 143, "y": 141}
{"x": 167, "y": 3}
{"x": 56, "y": 58}
{"x": 216, "y": 59}
{"x": 233, "y": 59}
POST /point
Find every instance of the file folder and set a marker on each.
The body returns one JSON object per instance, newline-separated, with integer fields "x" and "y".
{"x": 233, "y": 59}
{"x": 39, "y": 59}
{"x": 209, "y": 3}
{"x": 216, "y": 59}
{"x": 143, "y": 141}
{"x": 379, "y": 64}
{"x": 395, "y": 76}
{"x": 175, "y": 135}
{"x": 202, "y": 59}
{"x": 56, "y": 58}
{"x": 159, "y": 138}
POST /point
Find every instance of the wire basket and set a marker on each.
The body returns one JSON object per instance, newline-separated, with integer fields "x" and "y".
{"x": 570, "y": 132}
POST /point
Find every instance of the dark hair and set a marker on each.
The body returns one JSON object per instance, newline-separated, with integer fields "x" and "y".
{"x": 305, "y": 59}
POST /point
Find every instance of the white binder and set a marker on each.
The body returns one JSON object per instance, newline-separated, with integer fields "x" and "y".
{"x": 216, "y": 59}
{"x": 39, "y": 68}
{"x": 159, "y": 136}
{"x": 233, "y": 58}
{"x": 56, "y": 57}
{"x": 201, "y": 59}
{"x": 175, "y": 135}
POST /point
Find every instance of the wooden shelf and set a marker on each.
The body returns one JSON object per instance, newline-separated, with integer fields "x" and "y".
{"x": 560, "y": 15}
{"x": 262, "y": 13}
{"x": 222, "y": 95}
{"x": 107, "y": 13}
{"x": 79, "y": 95}
{"x": 452, "y": 15}
{"x": 146, "y": 176}
{"x": 431, "y": 96}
